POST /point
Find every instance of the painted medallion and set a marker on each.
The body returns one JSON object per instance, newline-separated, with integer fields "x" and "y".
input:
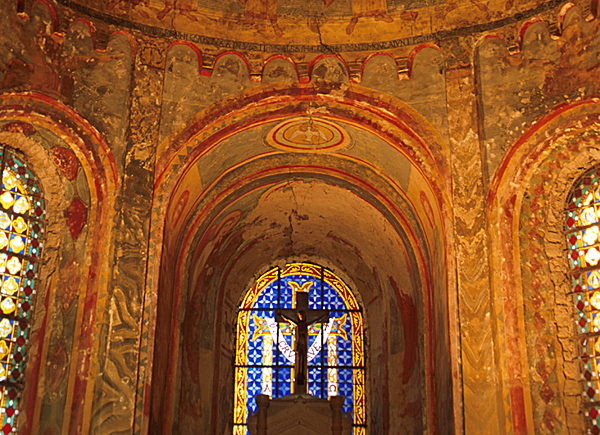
{"x": 308, "y": 134}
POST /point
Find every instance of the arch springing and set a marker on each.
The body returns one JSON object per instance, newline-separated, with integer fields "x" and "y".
{"x": 264, "y": 358}
{"x": 21, "y": 229}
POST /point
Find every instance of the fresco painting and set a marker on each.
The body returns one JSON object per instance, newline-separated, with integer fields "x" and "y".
{"x": 420, "y": 150}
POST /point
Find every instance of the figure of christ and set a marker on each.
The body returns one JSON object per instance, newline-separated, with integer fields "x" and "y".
{"x": 302, "y": 317}
{"x": 262, "y": 10}
{"x": 366, "y": 8}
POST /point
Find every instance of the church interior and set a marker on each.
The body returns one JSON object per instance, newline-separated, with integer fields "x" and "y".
{"x": 432, "y": 164}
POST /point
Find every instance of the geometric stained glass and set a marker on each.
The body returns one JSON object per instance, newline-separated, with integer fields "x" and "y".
{"x": 583, "y": 243}
{"x": 21, "y": 214}
{"x": 265, "y": 356}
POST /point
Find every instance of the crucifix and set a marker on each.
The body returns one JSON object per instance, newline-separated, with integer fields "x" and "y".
{"x": 302, "y": 317}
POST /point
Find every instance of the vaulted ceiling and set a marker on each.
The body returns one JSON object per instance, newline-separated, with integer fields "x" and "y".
{"x": 301, "y": 27}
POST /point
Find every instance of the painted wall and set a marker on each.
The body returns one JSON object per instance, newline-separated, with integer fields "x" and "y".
{"x": 421, "y": 150}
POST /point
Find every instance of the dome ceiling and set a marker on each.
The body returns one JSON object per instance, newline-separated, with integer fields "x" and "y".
{"x": 296, "y": 26}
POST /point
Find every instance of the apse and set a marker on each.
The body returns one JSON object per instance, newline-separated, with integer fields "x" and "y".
{"x": 298, "y": 189}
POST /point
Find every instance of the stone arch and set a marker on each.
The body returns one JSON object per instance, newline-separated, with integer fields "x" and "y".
{"x": 222, "y": 194}
{"x": 530, "y": 288}
{"x": 66, "y": 153}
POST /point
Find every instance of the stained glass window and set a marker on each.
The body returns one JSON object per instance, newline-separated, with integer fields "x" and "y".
{"x": 265, "y": 355}
{"x": 583, "y": 238}
{"x": 21, "y": 214}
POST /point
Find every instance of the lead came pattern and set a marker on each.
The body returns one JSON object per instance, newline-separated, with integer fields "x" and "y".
{"x": 583, "y": 241}
{"x": 21, "y": 230}
{"x": 264, "y": 348}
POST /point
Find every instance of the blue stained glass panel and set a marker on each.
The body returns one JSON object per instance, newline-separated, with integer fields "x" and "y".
{"x": 254, "y": 386}
{"x": 284, "y": 376}
{"x": 268, "y": 298}
{"x": 285, "y": 294}
{"x": 290, "y": 284}
{"x": 345, "y": 388}
{"x": 345, "y": 358}
{"x": 265, "y": 314}
{"x": 281, "y": 359}
{"x": 315, "y": 375}
{"x": 263, "y": 333}
{"x": 255, "y": 350}
{"x": 316, "y": 361}
{"x": 332, "y": 298}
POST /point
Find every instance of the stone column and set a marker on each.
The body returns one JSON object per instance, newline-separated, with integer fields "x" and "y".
{"x": 116, "y": 395}
{"x": 483, "y": 407}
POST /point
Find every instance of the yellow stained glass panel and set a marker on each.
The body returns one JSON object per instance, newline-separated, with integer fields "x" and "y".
{"x": 17, "y": 244}
{"x": 2, "y": 263}
{"x": 4, "y": 220}
{"x": 13, "y": 265}
{"x": 3, "y": 240}
{"x": 588, "y": 216}
{"x": 9, "y": 181}
{"x": 591, "y": 235}
{"x": 21, "y": 205}
{"x": 592, "y": 257}
{"x": 19, "y": 225}
{"x": 595, "y": 300}
{"x": 7, "y": 306}
{"x": 5, "y": 328}
{"x": 7, "y": 199}
{"x": 4, "y": 349}
{"x": 594, "y": 279}
{"x": 10, "y": 286}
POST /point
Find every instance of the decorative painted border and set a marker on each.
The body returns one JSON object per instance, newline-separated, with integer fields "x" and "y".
{"x": 319, "y": 48}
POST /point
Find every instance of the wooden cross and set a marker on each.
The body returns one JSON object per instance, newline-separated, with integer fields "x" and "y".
{"x": 302, "y": 317}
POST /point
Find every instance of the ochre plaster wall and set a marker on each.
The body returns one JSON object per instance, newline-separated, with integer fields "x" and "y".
{"x": 465, "y": 123}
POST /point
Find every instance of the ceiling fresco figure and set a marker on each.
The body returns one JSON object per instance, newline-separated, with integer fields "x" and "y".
{"x": 185, "y": 8}
{"x": 308, "y": 134}
{"x": 262, "y": 10}
{"x": 366, "y": 8}
{"x": 112, "y": 4}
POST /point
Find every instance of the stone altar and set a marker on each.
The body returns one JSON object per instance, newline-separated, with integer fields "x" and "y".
{"x": 299, "y": 414}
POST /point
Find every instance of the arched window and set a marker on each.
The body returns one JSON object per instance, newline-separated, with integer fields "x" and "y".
{"x": 583, "y": 237}
{"x": 264, "y": 359}
{"x": 21, "y": 213}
